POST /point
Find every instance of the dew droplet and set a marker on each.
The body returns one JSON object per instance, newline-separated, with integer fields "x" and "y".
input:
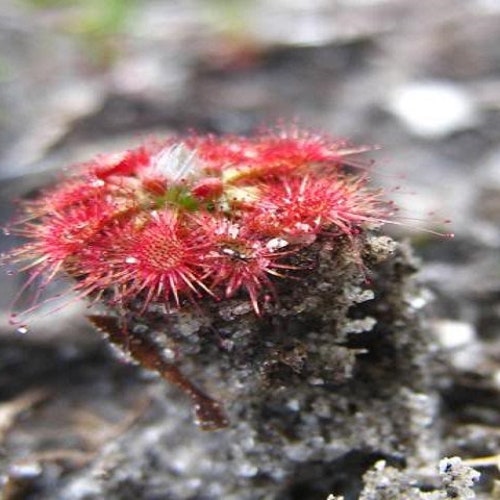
{"x": 10, "y": 273}
{"x": 23, "y": 330}
{"x": 131, "y": 260}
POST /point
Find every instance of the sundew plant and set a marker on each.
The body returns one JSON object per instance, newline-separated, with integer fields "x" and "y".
{"x": 196, "y": 218}
{"x": 194, "y": 223}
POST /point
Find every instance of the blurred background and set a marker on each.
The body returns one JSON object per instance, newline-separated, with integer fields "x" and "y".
{"x": 420, "y": 79}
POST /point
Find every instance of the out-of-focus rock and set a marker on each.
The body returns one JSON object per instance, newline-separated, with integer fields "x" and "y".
{"x": 433, "y": 109}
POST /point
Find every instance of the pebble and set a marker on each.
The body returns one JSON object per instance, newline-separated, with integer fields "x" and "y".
{"x": 433, "y": 109}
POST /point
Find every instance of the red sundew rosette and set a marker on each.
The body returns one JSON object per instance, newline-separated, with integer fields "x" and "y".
{"x": 197, "y": 216}
{"x": 159, "y": 256}
{"x": 240, "y": 259}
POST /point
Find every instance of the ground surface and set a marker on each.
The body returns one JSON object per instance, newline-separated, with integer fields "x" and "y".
{"x": 421, "y": 79}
